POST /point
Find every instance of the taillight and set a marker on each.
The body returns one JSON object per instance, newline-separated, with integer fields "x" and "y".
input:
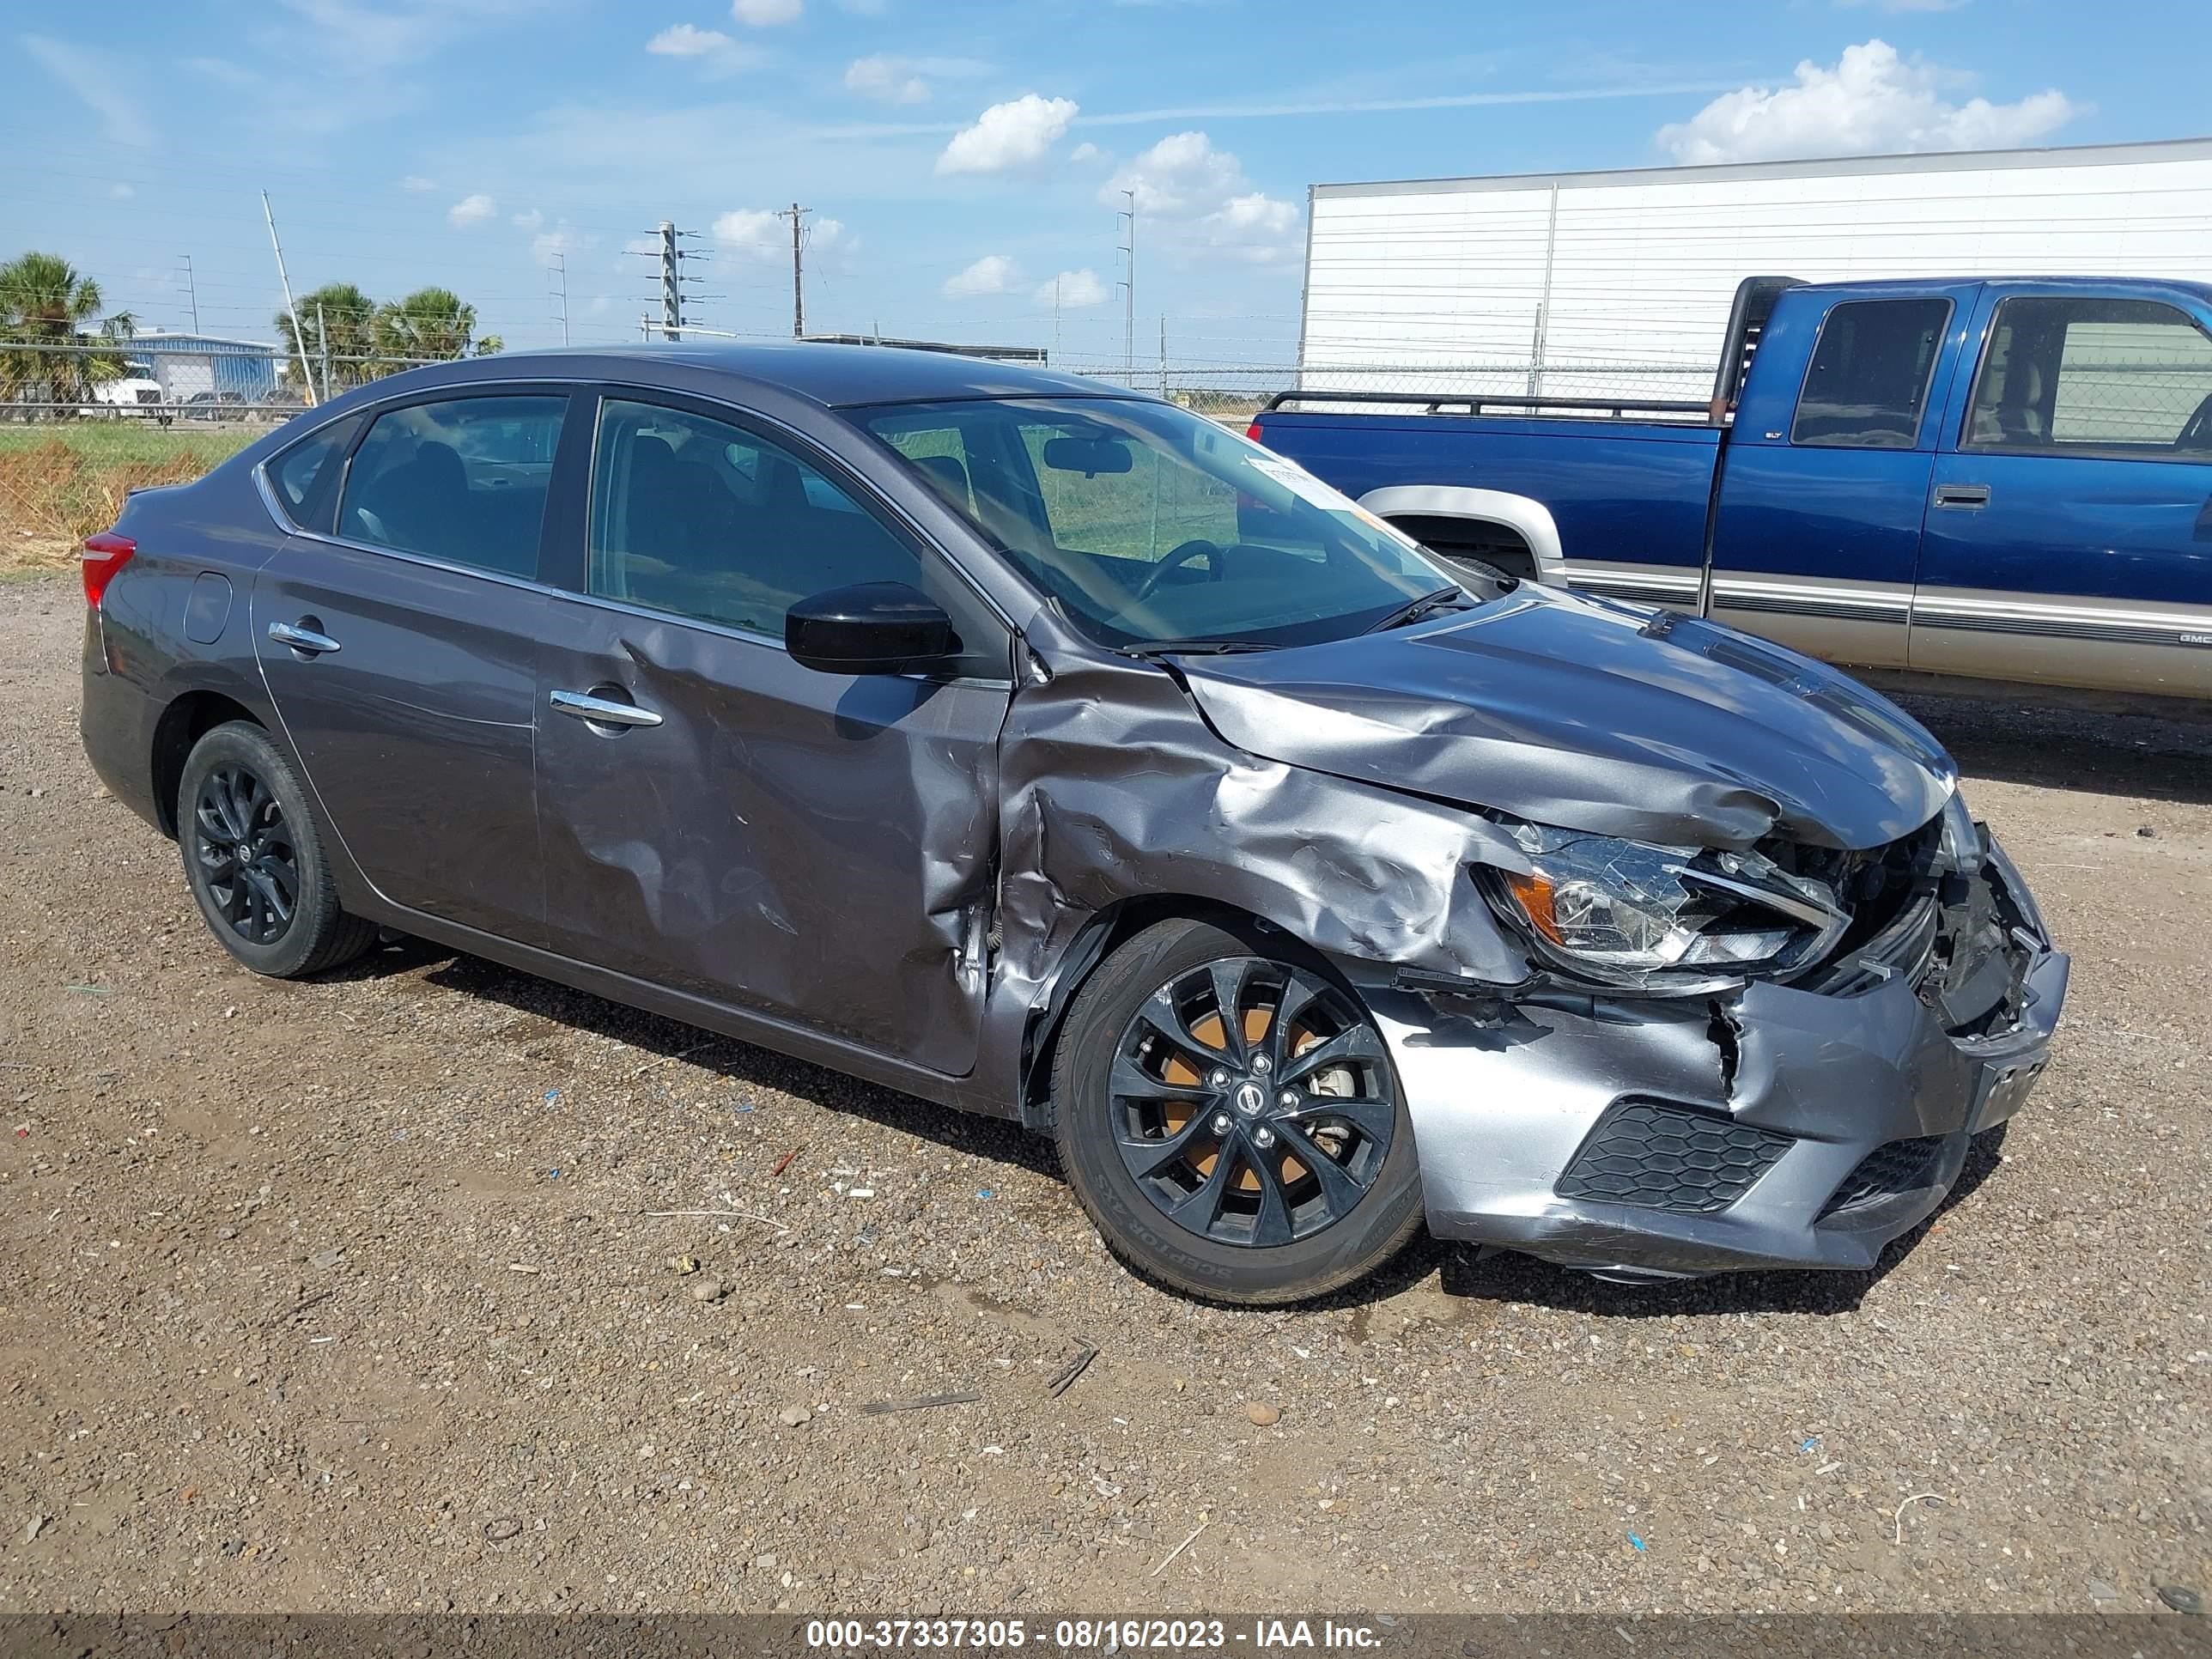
{"x": 1253, "y": 433}
{"x": 104, "y": 555}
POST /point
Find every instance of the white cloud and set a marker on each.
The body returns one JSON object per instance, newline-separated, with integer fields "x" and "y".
{"x": 886, "y": 80}
{"x": 529, "y": 221}
{"x": 894, "y": 80}
{"x": 766, "y": 14}
{"x": 1071, "y": 288}
{"x": 1011, "y": 135}
{"x": 1202, "y": 195}
{"x": 1872, "y": 102}
{"x": 121, "y": 192}
{"x": 471, "y": 210}
{"x": 1088, "y": 152}
{"x": 687, "y": 40}
{"x": 93, "y": 77}
{"x": 417, "y": 183}
{"x": 710, "y": 49}
{"x": 993, "y": 273}
{"x": 561, "y": 241}
{"x": 755, "y": 232}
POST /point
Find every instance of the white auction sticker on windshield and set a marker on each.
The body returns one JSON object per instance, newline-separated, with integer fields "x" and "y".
{"x": 1301, "y": 483}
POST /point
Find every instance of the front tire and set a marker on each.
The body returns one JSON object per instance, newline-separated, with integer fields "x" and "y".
{"x": 1228, "y": 1115}
{"x": 254, "y": 858}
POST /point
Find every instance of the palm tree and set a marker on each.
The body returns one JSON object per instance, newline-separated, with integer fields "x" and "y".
{"x": 338, "y": 324}
{"x": 429, "y": 324}
{"x": 44, "y": 303}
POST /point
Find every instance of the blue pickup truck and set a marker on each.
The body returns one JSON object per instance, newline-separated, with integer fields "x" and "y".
{"x": 2006, "y": 481}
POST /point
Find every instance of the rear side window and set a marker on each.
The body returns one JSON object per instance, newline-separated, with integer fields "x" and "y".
{"x": 302, "y": 474}
{"x": 2129, "y": 379}
{"x": 1869, "y": 380}
{"x": 463, "y": 481}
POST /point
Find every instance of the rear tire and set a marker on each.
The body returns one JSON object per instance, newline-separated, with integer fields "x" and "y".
{"x": 1233, "y": 1215}
{"x": 253, "y": 857}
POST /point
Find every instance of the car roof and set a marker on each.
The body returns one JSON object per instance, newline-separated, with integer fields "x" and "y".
{"x": 835, "y": 375}
{"x": 2200, "y": 291}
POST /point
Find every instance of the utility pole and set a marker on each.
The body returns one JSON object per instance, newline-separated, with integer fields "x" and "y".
{"x": 672, "y": 284}
{"x": 796, "y": 214}
{"x": 192, "y": 292}
{"x": 1129, "y": 293}
{"x": 1163, "y": 354}
{"x": 323, "y": 345}
{"x": 1055, "y": 319}
{"x": 560, "y": 293}
{"x": 307, "y": 374}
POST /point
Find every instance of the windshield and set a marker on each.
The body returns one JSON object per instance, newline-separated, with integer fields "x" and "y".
{"x": 1153, "y": 526}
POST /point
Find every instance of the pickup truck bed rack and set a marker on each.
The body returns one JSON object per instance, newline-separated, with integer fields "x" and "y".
{"x": 1431, "y": 403}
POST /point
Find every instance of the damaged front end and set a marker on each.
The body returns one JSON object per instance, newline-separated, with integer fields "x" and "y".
{"x": 1802, "y": 1118}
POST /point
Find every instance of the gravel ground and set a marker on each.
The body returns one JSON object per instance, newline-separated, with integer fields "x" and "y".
{"x": 346, "y": 1296}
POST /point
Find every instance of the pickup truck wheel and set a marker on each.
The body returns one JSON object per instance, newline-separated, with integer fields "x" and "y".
{"x": 1228, "y": 1115}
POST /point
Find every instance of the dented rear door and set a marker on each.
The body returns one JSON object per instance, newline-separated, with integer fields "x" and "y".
{"x": 815, "y": 848}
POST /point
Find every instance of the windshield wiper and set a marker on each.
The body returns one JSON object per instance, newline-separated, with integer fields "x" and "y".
{"x": 1413, "y": 609}
{"x": 1194, "y": 648}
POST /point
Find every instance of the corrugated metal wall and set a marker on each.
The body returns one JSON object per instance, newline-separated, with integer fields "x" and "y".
{"x": 1618, "y": 284}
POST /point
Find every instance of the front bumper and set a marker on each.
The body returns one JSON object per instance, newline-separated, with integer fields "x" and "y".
{"x": 1772, "y": 1128}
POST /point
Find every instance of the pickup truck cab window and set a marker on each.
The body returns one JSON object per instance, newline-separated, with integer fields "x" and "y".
{"x": 2075, "y": 375}
{"x": 1869, "y": 379}
{"x": 463, "y": 480}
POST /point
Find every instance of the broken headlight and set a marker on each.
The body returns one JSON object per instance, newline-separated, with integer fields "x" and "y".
{"x": 1631, "y": 913}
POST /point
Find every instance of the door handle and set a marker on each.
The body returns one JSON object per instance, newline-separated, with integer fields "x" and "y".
{"x": 597, "y": 711}
{"x": 302, "y": 638}
{"x": 1962, "y": 494}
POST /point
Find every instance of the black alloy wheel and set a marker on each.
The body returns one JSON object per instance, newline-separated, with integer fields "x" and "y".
{"x": 1252, "y": 1103}
{"x": 246, "y": 853}
{"x": 1228, "y": 1115}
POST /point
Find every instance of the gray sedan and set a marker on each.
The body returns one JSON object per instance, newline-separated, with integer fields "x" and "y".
{"x": 1052, "y": 752}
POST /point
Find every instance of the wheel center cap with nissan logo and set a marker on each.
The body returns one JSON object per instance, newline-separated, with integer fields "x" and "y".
{"x": 1250, "y": 1098}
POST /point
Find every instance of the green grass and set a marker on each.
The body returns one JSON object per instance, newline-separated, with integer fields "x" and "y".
{"x": 128, "y": 442}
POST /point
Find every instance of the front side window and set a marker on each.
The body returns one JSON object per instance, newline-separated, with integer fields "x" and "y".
{"x": 1869, "y": 379}
{"x": 710, "y": 521}
{"x": 464, "y": 480}
{"x": 2131, "y": 378}
{"x": 1150, "y": 525}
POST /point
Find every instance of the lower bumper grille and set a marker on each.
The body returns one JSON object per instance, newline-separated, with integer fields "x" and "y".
{"x": 1902, "y": 1166}
{"x": 1658, "y": 1156}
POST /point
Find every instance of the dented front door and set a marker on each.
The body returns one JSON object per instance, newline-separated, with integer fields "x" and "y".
{"x": 808, "y": 846}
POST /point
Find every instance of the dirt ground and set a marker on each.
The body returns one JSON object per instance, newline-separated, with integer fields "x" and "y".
{"x": 353, "y": 1295}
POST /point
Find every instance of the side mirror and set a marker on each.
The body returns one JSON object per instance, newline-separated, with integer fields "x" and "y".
{"x": 869, "y": 627}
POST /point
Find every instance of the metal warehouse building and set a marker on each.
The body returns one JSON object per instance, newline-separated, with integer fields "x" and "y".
{"x": 1618, "y": 284}
{"x": 188, "y": 363}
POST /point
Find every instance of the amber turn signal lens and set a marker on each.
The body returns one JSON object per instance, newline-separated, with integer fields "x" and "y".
{"x": 1533, "y": 892}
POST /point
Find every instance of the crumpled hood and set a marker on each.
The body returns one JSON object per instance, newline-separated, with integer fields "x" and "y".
{"x": 1589, "y": 714}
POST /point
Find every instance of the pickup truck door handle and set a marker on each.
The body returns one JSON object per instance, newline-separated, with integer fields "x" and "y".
{"x": 599, "y": 712}
{"x": 1962, "y": 494}
{"x": 301, "y": 638}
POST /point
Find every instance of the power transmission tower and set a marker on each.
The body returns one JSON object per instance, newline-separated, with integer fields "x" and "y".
{"x": 192, "y": 291}
{"x": 561, "y": 292}
{"x": 1129, "y": 293}
{"x": 672, "y": 284}
{"x": 796, "y": 214}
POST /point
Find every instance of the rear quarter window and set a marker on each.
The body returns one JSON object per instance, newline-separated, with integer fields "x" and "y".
{"x": 303, "y": 477}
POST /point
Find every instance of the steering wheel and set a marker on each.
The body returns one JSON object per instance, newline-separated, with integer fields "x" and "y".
{"x": 2197, "y": 434}
{"x": 1197, "y": 547}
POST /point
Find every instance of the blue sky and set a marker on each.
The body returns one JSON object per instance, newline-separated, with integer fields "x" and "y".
{"x": 960, "y": 156}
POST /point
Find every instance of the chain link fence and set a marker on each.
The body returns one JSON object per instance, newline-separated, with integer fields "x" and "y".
{"x": 164, "y": 378}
